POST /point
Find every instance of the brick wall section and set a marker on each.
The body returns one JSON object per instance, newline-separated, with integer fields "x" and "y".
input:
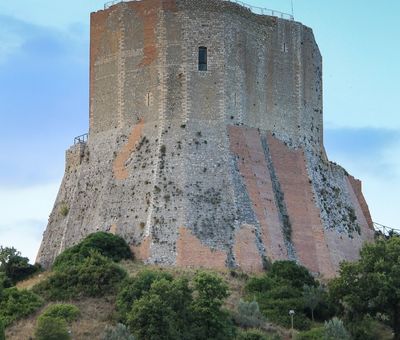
{"x": 366, "y": 231}
{"x": 119, "y": 168}
{"x": 190, "y": 252}
{"x": 143, "y": 250}
{"x": 245, "y": 250}
{"x": 148, "y": 12}
{"x": 307, "y": 230}
{"x": 246, "y": 144}
{"x": 356, "y": 185}
{"x": 105, "y": 36}
{"x": 97, "y": 29}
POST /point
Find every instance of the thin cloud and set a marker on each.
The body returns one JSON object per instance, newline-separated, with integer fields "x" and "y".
{"x": 368, "y": 151}
{"x": 24, "y": 213}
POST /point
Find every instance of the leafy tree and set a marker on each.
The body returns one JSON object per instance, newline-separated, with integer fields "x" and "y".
{"x": 111, "y": 246}
{"x": 152, "y": 319}
{"x": 50, "y": 328}
{"x": 14, "y": 266}
{"x": 371, "y": 286}
{"x": 313, "y": 296}
{"x": 166, "y": 308}
{"x": 162, "y": 313}
{"x": 210, "y": 321}
{"x": 133, "y": 289}
{"x": 6, "y": 254}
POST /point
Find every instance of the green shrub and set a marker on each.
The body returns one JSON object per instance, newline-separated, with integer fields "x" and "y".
{"x": 248, "y": 315}
{"x": 254, "y": 334}
{"x": 276, "y": 303}
{"x": 111, "y": 246}
{"x": 64, "y": 209}
{"x": 119, "y": 332}
{"x": 2, "y": 330}
{"x": 313, "y": 334}
{"x": 365, "y": 329}
{"x": 281, "y": 290}
{"x": 66, "y": 312}
{"x": 297, "y": 275}
{"x": 95, "y": 276}
{"x": 50, "y": 328}
{"x": 335, "y": 330}
{"x": 16, "y": 304}
{"x": 133, "y": 289}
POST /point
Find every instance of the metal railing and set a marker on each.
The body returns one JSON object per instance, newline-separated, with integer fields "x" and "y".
{"x": 81, "y": 139}
{"x": 263, "y": 11}
{"x": 114, "y": 2}
{"x": 385, "y": 230}
{"x": 253, "y": 9}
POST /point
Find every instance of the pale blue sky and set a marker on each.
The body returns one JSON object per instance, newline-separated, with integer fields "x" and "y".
{"x": 44, "y": 100}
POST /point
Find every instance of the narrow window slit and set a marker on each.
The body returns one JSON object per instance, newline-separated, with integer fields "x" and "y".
{"x": 202, "y": 58}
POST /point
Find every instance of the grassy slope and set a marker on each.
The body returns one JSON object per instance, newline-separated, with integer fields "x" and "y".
{"x": 97, "y": 313}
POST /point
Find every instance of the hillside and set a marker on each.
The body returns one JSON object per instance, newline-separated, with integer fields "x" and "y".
{"x": 87, "y": 294}
{"x": 97, "y": 313}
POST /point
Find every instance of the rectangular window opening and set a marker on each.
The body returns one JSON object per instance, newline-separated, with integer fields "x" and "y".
{"x": 202, "y": 58}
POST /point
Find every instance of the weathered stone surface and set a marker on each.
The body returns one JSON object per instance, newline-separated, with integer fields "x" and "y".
{"x": 234, "y": 154}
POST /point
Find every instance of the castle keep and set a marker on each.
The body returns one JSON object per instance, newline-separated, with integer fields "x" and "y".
{"x": 205, "y": 145}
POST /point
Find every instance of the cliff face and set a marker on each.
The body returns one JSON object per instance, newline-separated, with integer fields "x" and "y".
{"x": 215, "y": 168}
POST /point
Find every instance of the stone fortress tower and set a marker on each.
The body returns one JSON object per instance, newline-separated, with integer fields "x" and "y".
{"x": 205, "y": 145}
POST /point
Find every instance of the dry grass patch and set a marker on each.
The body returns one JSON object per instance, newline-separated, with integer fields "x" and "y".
{"x": 96, "y": 314}
{"x": 37, "y": 278}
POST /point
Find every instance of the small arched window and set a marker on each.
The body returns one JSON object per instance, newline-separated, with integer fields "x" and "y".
{"x": 202, "y": 58}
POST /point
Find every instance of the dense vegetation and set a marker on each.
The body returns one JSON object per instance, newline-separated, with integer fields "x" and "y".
{"x": 108, "y": 245}
{"x": 14, "y": 267}
{"x": 95, "y": 276}
{"x": 16, "y": 304}
{"x": 281, "y": 290}
{"x": 361, "y": 303}
{"x": 52, "y": 324}
{"x": 368, "y": 291}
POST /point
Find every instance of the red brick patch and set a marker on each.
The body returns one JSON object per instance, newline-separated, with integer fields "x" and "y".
{"x": 246, "y": 143}
{"x": 245, "y": 249}
{"x": 192, "y": 253}
{"x": 307, "y": 230}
